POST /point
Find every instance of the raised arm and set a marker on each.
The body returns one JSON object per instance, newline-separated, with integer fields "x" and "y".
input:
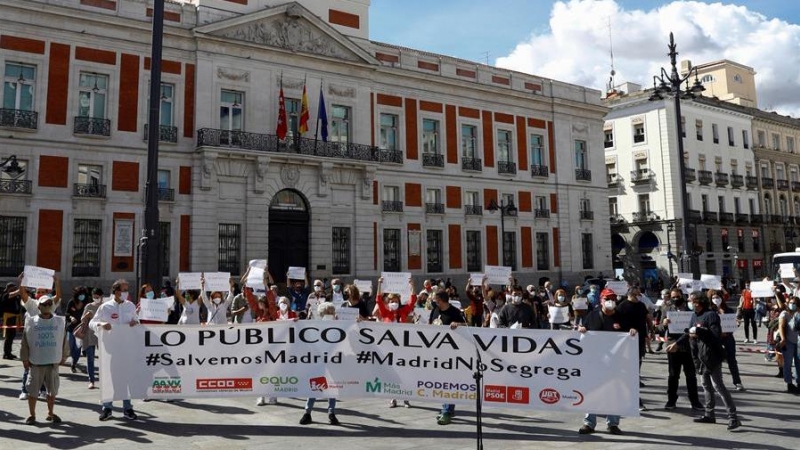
{"x": 178, "y": 294}
{"x": 57, "y": 298}
{"x": 379, "y": 293}
{"x": 202, "y": 296}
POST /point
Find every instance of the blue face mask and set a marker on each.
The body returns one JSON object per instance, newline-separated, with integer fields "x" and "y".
{"x": 150, "y": 295}
{"x": 81, "y": 297}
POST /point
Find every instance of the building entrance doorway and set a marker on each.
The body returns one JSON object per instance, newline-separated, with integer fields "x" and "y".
{"x": 288, "y": 233}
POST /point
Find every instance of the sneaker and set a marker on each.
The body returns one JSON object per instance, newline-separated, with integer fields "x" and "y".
{"x": 613, "y": 429}
{"x": 669, "y": 405}
{"x": 306, "y": 419}
{"x": 791, "y": 388}
{"x": 31, "y": 420}
{"x": 74, "y": 368}
{"x": 444, "y": 419}
{"x": 746, "y": 341}
{"x": 739, "y": 387}
{"x": 42, "y": 394}
{"x": 129, "y": 414}
{"x": 272, "y": 401}
{"x": 53, "y": 418}
{"x": 641, "y": 384}
{"x": 332, "y": 419}
{"x": 734, "y": 423}
{"x": 705, "y": 419}
{"x": 755, "y": 341}
{"x": 392, "y": 403}
{"x": 586, "y": 429}
{"x": 406, "y": 404}
{"x": 23, "y": 395}
{"x": 642, "y": 407}
{"x": 261, "y": 401}
{"x": 105, "y": 414}
{"x": 91, "y": 386}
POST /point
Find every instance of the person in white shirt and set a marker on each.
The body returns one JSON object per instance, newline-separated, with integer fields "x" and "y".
{"x": 218, "y": 308}
{"x": 191, "y": 303}
{"x": 117, "y": 312}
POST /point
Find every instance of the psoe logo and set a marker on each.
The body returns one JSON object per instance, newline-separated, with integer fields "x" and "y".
{"x": 494, "y": 393}
{"x": 506, "y": 394}
{"x": 549, "y": 396}
{"x": 224, "y": 384}
{"x": 318, "y": 384}
{"x": 166, "y": 385}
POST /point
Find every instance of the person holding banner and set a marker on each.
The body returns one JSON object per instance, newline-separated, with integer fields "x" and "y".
{"x": 728, "y": 342}
{"x": 679, "y": 356}
{"x": 44, "y": 348}
{"x": 604, "y": 319}
{"x": 788, "y": 328}
{"x": 444, "y": 314}
{"x": 298, "y": 293}
{"x": 708, "y": 355}
{"x": 117, "y": 312}
{"x": 515, "y": 312}
{"x": 89, "y": 341}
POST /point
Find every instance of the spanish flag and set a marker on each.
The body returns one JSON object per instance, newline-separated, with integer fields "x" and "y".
{"x": 303, "y": 112}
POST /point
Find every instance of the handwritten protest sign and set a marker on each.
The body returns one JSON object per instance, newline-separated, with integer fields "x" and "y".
{"x": 679, "y": 321}
{"x": 476, "y": 279}
{"x": 363, "y": 285}
{"x": 255, "y": 279}
{"x": 558, "y": 314}
{"x": 618, "y": 287}
{"x": 218, "y": 281}
{"x": 38, "y": 277}
{"x": 728, "y": 323}
{"x": 761, "y": 289}
{"x": 396, "y": 283}
{"x": 787, "y": 270}
{"x": 498, "y": 274}
{"x": 346, "y": 313}
{"x": 688, "y": 286}
{"x": 580, "y": 303}
{"x": 422, "y": 315}
{"x": 711, "y": 281}
{"x": 155, "y": 309}
{"x": 258, "y": 263}
{"x": 296, "y": 273}
{"x": 189, "y": 280}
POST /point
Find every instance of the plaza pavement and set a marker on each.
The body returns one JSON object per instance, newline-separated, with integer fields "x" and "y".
{"x": 770, "y": 417}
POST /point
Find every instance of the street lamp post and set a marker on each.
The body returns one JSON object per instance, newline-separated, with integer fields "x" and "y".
{"x": 670, "y": 229}
{"x": 669, "y": 85}
{"x": 505, "y": 210}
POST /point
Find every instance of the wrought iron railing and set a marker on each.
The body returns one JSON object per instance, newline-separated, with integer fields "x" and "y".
{"x": 587, "y": 215}
{"x": 391, "y": 156}
{"x": 392, "y": 206}
{"x": 541, "y": 213}
{"x": 473, "y": 210}
{"x": 756, "y": 219}
{"x": 583, "y": 174}
{"x": 15, "y": 186}
{"x": 434, "y": 208}
{"x": 644, "y": 216}
{"x": 721, "y": 178}
{"x": 506, "y": 167}
{"x": 710, "y": 217}
{"x": 166, "y": 133}
{"x": 737, "y": 181}
{"x": 17, "y": 118}
{"x": 742, "y": 218}
{"x": 469, "y": 163}
{"x": 89, "y": 190}
{"x": 705, "y": 177}
{"x": 432, "y": 160}
{"x": 795, "y": 186}
{"x": 694, "y": 215}
{"x": 690, "y": 174}
{"x": 539, "y": 170}
{"x": 616, "y": 219}
{"x": 751, "y": 181}
{"x": 642, "y": 176}
{"x": 782, "y": 185}
{"x": 166, "y": 194}
{"x": 726, "y": 217}
{"x": 92, "y": 126}
{"x": 767, "y": 183}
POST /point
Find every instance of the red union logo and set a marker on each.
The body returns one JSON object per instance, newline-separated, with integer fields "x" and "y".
{"x": 224, "y": 384}
{"x": 114, "y": 316}
{"x": 520, "y": 395}
{"x": 318, "y": 384}
{"x": 549, "y": 396}
{"x": 492, "y": 393}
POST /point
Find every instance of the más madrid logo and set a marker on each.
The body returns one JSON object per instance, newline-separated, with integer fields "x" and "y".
{"x": 224, "y": 384}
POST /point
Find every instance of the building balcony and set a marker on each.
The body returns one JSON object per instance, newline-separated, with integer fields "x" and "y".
{"x": 705, "y": 177}
{"x": 695, "y": 216}
{"x": 213, "y": 137}
{"x": 756, "y": 219}
{"x": 710, "y": 217}
{"x": 434, "y": 208}
{"x": 166, "y": 195}
{"x": 472, "y": 164}
{"x": 92, "y": 126}
{"x": 166, "y": 133}
{"x": 742, "y": 218}
{"x": 432, "y": 160}
{"x": 642, "y": 176}
{"x": 608, "y": 144}
{"x": 541, "y": 213}
{"x": 751, "y": 182}
{"x": 767, "y": 183}
{"x": 644, "y": 216}
{"x": 473, "y": 210}
{"x": 391, "y": 206}
{"x": 17, "y": 118}
{"x": 737, "y": 181}
{"x": 15, "y": 186}
{"x": 782, "y": 185}
{"x": 721, "y": 179}
{"x": 777, "y": 219}
{"x": 506, "y": 167}
{"x": 587, "y": 215}
{"x": 795, "y": 186}
{"x": 638, "y": 138}
{"x": 614, "y": 179}
{"x": 89, "y": 190}
{"x": 538, "y": 170}
{"x": 391, "y": 156}
{"x": 690, "y": 174}
{"x": 616, "y": 219}
{"x": 583, "y": 175}
{"x": 726, "y": 218}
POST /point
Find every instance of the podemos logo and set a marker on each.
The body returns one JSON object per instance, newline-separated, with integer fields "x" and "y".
{"x": 166, "y": 385}
{"x": 224, "y": 384}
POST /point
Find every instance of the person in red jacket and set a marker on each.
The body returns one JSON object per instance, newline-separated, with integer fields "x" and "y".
{"x": 390, "y": 309}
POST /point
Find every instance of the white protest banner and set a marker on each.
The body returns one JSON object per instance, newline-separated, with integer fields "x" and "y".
{"x": 687, "y": 286}
{"x": 422, "y": 315}
{"x": 558, "y": 314}
{"x": 497, "y": 275}
{"x": 396, "y": 283}
{"x": 189, "y": 280}
{"x": 347, "y": 313}
{"x": 679, "y": 321}
{"x": 476, "y": 279}
{"x": 258, "y": 263}
{"x": 687, "y": 276}
{"x": 618, "y": 287}
{"x": 363, "y": 285}
{"x": 218, "y": 281}
{"x": 156, "y": 309}
{"x": 255, "y": 279}
{"x": 787, "y": 270}
{"x": 711, "y": 281}
{"x": 37, "y": 277}
{"x": 580, "y": 303}
{"x": 728, "y": 323}
{"x": 761, "y": 289}
{"x": 296, "y": 273}
{"x": 566, "y": 371}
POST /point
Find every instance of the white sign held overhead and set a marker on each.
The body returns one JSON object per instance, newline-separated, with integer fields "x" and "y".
{"x": 258, "y": 263}
{"x": 498, "y": 275}
{"x": 580, "y": 303}
{"x": 618, "y": 287}
{"x": 255, "y": 279}
{"x": 396, "y": 283}
{"x": 476, "y": 279}
{"x": 218, "y": 281}
{"x": 37, "y": 277}
{"x": 189, "y": 280}
{"x": 711, "y": 281}
{"x": 761, "y": 289}
{"x": 363, "y": 286}
{"x": 296, "y": 273}
{"x": 787, "y": 270}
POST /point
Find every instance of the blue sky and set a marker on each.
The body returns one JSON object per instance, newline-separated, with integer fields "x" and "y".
{"x": 568, "y": 40}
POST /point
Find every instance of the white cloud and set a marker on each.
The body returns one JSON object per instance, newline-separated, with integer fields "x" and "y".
{"x": 576, "y": 48}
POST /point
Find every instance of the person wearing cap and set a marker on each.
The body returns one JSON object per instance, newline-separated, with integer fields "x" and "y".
{"x": 31, "y": 309}
{"x": 119, "y": 311}
{"x": 44, "y": 348}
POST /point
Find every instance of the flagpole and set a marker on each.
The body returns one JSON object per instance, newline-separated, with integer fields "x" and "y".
{"x": 316, "y": 128}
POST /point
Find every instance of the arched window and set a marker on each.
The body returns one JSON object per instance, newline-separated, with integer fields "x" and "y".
{"x": 784, "y": 206}
{"x": 767, "y": 204}
{"x": 707, "y": 78}
{"x": 737, "y": 78}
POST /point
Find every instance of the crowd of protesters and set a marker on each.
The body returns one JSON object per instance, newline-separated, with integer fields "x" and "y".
{"x": 699, "y": 350}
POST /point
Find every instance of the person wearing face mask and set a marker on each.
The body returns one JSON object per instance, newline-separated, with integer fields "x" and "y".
{"x": 41, "y": 353}
{"x": 31, "y": 308}
{"x": 728, "y": 342}
{"x": 476, "y": 294}
{"x": 390, "y": 310}
{"x": 89, "y": 342}
{"x": 604, "y": 319}
{"x": 561, "y": 301}
{"x": 218, "y": 307}
{"x": 788, "y": 330}
{"x": 353, "y": 300}
{"x": 747, "y": 312}
{"x": 678, "y": 356}
{"x": 447, "y": 315}
{"x": 593, "y": 297}
{"x": 73, "y": 314}
{"x": 146, "y": 292}
{"x": 298, "y": 293}
{"x": 191, "y": 301}
{"x": 120, "y": 311}
{"x": 515, "y": 312}
{"x": 313, "y": 301}
{"x": 704, "y": 339}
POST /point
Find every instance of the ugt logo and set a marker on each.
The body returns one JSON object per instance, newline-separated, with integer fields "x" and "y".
{"x": 318, "y": 384}
{"x": 375, "y": 386}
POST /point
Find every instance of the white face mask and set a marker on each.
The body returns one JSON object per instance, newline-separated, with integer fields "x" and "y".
{"x": 216, "y": 300}
{"x": 284, "y": 307}
{"x": 717, "y": 301}
{"x": 561, "y": 298}
{"x": 516, "y": 299}
{"x": 317, "y": 288}
{"x": 394, "y": 306}
{"x": 609, "y": 305}
{"x": 123, "y": 295}
{"x": 337, "y": 288}
{"x": 508, "y": 298}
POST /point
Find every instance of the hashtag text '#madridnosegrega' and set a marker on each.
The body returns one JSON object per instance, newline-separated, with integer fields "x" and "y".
{"x": 281, "y": 357}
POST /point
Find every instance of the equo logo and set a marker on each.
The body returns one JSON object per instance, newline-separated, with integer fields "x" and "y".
{"x": 549, "y": 396}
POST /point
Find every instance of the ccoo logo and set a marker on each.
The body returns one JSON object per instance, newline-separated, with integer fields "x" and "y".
{"x": 224, "y": 384}
{"x": 549, "y": 396}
